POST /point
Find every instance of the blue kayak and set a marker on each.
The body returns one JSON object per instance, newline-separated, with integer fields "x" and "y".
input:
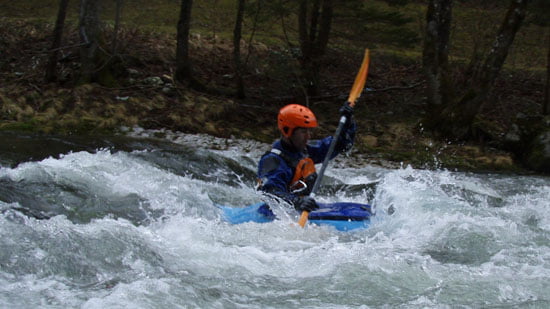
{"x": 343, "y": 216}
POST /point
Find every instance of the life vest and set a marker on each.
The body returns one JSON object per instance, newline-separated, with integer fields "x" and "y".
{"x": 304, "y": 173}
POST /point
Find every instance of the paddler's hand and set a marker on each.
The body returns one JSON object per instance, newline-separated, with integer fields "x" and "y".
{"x": 305, "y": 203}
{"x": 346, "y": 110}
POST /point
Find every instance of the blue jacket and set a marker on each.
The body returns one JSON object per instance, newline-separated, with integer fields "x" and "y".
{"x": 275, "y": 172}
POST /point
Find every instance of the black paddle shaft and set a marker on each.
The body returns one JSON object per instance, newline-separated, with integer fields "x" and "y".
{"x": 317, "y": 183}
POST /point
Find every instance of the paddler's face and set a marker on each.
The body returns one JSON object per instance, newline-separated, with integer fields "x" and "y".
{"x": 300, "y": 137}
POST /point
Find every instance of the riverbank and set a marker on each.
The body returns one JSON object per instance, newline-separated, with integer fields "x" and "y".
{"x": 389, "y": 113}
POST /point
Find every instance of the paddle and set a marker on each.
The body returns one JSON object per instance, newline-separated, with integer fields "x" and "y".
{"x": 355, "y": 92}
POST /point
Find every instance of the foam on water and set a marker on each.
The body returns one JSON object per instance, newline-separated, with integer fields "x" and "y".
{"x": 454, "y": 239}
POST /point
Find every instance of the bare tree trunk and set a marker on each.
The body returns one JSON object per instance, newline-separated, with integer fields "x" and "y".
{"x": 324, "y": 27}
{"x": 314, "y": 25}
{"x": 546, "y": 103}
{"x": 302, "y": 28}
{"x": 504, "y": 39}
{"x": 458, "y": 116}
{"x": 89, "y": 36}
{"x": 183, "y": 62}
{"x": 57, "y": 35}
{"x": 237, "y": 34}
{"x": 118, "y": 14}
{"x": 435, "y": 57}
{"x": 314, "y": 22}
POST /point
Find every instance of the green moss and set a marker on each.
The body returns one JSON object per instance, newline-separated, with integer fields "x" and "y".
{"x": 19, "y": 126}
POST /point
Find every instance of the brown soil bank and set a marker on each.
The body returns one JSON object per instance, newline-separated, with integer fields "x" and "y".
{"x": 140, "y": 92}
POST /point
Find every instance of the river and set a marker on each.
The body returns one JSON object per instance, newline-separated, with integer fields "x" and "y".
{"x": 132, "y": 222}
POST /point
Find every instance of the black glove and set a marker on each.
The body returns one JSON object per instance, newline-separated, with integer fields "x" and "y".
{"x": 346, "y": 110}
{"x": 305, "y": 203}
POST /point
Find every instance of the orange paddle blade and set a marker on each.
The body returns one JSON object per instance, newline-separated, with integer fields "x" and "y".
{"x": 360, "y": 79}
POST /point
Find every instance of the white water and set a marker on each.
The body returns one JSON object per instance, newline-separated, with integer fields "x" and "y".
{"x": 128, "y": 230}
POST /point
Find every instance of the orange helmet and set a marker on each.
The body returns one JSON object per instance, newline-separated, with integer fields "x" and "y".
{"x": 295, "y": 116}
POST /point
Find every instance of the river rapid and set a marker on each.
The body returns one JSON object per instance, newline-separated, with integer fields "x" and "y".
{"x": 132, "y": 222}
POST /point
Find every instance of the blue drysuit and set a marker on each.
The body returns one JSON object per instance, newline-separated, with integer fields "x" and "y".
{"x": 275, "y": 171}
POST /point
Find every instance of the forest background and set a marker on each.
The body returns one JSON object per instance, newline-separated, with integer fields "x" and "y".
{"x": 452, "y": 84}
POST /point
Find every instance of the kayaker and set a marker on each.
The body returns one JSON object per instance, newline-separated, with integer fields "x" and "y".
{"x": 288, "y": 170}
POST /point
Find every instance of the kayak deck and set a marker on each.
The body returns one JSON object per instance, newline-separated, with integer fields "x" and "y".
{"x": 344, "y": 216}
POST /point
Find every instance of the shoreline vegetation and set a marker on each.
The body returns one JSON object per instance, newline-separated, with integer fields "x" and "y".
{"x": 142, "y": 93}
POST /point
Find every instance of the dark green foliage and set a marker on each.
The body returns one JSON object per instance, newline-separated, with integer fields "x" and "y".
{"x": 374, "y": 24}
{"x": 539, "y": 13}
{"x": 397, "y": 3}
{"x": 373, "y": 14}
{"x": 392, "y": 35}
